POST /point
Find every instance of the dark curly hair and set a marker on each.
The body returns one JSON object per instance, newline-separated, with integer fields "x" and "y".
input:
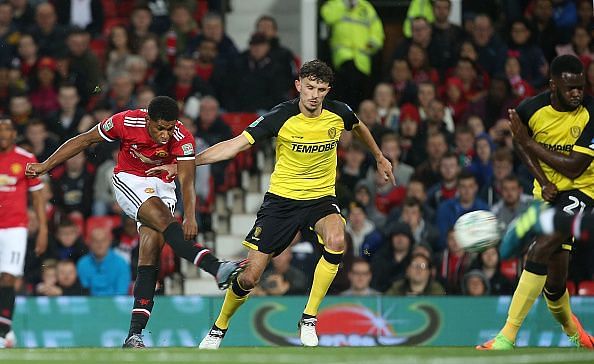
{"x": 163, "y": 108}
{"x": 316, "y": 70}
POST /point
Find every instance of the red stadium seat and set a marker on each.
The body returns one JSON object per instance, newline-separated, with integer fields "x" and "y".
{"x": 509, "y": 268}
{"x": 108, "y": 222}
{"x": 586, "y": 288}
{"x": 238, "y": 121}
{"x": 571, "y": 288}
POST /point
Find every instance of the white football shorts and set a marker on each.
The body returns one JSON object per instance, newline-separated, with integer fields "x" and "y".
{"x": 131, "y": 191}
{"x": 13, "y": 246}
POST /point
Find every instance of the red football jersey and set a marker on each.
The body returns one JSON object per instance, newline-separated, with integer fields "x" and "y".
{"x": 138, "y": 151}
{"x": 14, "y": 187}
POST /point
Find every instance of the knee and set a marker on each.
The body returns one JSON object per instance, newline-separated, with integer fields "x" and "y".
{"x": 248, "y": 281}
{"x": 335, "y": 242}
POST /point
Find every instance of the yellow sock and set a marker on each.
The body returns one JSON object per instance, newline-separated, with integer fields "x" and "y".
{"x": 529, "y": 288}
{"x": 561, "y": 311}
{"x": 232, "y": 302}
{"x": 323, "y": 277}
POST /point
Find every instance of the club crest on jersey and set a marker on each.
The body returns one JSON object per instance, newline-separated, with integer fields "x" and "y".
{"x": 256, "y": 122}
{"x": 188, "y": 149}
{"x": 16, "y": 168}
{"x": 161, "y": 153}
{"x": 575, "y": 131}
{"x": 257, "y": 231}
{"x": 332, "y": 132}
{"x": 108, "y": 125}
{"x": 149, "y": 190}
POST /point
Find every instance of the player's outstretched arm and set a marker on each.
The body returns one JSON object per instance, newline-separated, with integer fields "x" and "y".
{"x": 223, "y": 150}
{"x": 187, "y": 174}
{"x": 70, "y": 148}
{"x": 384, "y": 166}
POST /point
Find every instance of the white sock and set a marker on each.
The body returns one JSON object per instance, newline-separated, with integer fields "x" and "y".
{"x": 546, "y": 221}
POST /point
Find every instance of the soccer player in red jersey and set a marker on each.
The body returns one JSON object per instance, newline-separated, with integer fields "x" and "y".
{"x": 14, "y": 189}
{"x": 150, "y": 138}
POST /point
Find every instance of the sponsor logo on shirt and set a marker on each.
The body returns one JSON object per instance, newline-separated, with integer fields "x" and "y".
{"x": 188, "y": 149}
{"x": 558, "y": 147}
{"x": 6, "y": 180}
{"x": 256, "y": 122}
{"x": 313, "y": 148}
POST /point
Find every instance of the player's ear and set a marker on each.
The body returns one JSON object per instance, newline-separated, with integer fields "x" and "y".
{"x": 298, "y": 85}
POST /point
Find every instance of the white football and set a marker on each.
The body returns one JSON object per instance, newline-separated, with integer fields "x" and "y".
{"x": 477, "y": 230}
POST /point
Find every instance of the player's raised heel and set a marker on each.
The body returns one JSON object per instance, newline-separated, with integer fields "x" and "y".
{"x": 134, "y": 342}
{"x": 307, "y": 331}
{"x": 522, "y": 230}
{"x": 500, "y": 342}
{"x": 213, "y": 339}
{"x": 228, "y": 271}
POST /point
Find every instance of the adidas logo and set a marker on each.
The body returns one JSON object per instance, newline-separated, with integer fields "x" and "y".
{"x": 217, "y": 332}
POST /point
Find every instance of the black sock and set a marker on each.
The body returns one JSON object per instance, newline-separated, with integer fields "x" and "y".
{"x": 6, "y": 309}
{"x": 195, "y": 253}
{"x": 144, "y": 292}
{"x": 305, "y": 316}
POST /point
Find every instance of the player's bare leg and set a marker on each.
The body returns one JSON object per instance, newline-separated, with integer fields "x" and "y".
{"x": 331, "y": 229}
{"x": 236, "y": 295}
{"x": 7, "y": 295}
{"x": 150, "y": 246}
{"x": 155, "y": 214}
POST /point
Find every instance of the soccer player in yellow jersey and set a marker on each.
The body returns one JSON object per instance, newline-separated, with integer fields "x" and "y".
{"x": 301, "y": 196}
{"x": 554, "y": 135}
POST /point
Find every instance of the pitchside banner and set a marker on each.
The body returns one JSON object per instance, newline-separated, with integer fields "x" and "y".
{"x": 269, "y": 321}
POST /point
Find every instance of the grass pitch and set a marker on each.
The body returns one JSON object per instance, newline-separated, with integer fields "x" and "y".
{"x": 284, "y": 355}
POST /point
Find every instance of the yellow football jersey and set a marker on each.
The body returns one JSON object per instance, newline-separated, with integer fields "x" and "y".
{"x": 305, "y": 165}
{"x": 561, "y": 131}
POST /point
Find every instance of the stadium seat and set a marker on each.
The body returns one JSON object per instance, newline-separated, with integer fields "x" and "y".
{"x": 238, "y": 121}
{"x": 93, "y": 222}
{"x": 586, "y": 288}
{"x": 571, "y": 288}
{"x": 509, "y": 268}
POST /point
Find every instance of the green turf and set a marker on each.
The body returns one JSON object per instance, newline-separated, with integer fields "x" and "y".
{"x": 400, "y": 355}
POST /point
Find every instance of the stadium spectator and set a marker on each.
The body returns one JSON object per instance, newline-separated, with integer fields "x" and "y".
{"x": 281, "y": 55}
{"x": 454, "y": 263}
{"x": 84, "y": 68}
{"x": 209, "y": 68}
{"x": 68, "y": 281}
{"x": 487, "y": 262}
{"x": 416, "y": 189}
{"x": 387, "y": 195}
{"x": 120, "y": 95}
{"x": 49, "y": 279}
{"x": 257, "y": 81}
{"x": 141, "y": 21}
{"x": 104, "y": 201}
{"x": 369, "y": 115}
{"x": 490, "y": 47}
{"x": 438, "y": 119}
{"x": 70, "y": 119}
{"x": 494, "y": 105}
{"x": 23, "y": 14}
{"x": 446, "y": 36}
{"x": 213, "y": 28}
{"x": 67, "y": 242}
{"x": 466, "y": 201}
{"x": 585, "y": 12}
{"x": 412, "y": 137}
{"x": 126, "y": 241}
{"x": 533, "y": 65}
{"x": 27, "y": 54}
{"x": 144, "y": 95}
{"x": 73, "y": 185}
{"x": 580, "y": 45}
{"x": 43, "y": 91}
{"x": 20, "y": 109}
{"x": 356, "y": 34}
{"x": 422, "y": 37}
{"x": 428, "y": 171}
{"x": 467, "y": 77}
{"x": 422, "y": 230}
{"x": 391, "y": 260}
{"x": 520, "y": 88}
{"x": 426, "y": 92}
{"x": 475, "y": 283}
{"x": 464, "y": 146}
{"x": 137, "y": 67}
{"x": 503, "y": 164}
{"x": 475, "y": 123}
{"x": 364, "y": 194}
{"x": 119, "y": 48}
{"x": 482, "y": 164}
{"x": 185, "y": 84}
{"x": 589, "y": 89}
{"x": 400, "y": 77}
{"x": 212, "y": 129}
{"x": 9, "y": 32}
{"x": 87, "y": 15}
{"x": 417, "y": 280}
{"x": 102, "y": 271}
{"x": 446, "y": 188}
{"x": 282, "y": 279}
{"x": 360, "y": 278}
{"x": 363, "y": 232}
{"x": 422, "y": 71}
{"x": 42, "y": 145}
{"x": 513, "y": 202}
{"x": 48, "y": 34}
{"x": 390, "y": 147}
{"x": 546, "y": 34}
{"x": 158, "y": 72}
{"x": 182, "y": 33}
{"x": 385, "y": 100}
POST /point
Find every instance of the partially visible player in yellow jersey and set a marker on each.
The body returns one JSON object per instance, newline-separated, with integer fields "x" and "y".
{"x": 554, "y": 135}
{"x": 301, "y": 197}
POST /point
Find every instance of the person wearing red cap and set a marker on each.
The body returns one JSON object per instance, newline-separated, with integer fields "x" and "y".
{"x": 44, "y": 94}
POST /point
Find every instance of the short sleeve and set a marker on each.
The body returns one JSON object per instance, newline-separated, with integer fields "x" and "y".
{"x": 184, "y": 144}
{"x": 111, "y": 129}
{"x": 267, "y": 125}
{"x": 524, "y": 114}
{"x": 345, "y": 112}
{"x": 585, "y": 143}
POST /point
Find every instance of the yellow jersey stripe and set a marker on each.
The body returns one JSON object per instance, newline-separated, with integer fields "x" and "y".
{"x": 583, "y": 150}
{"x": 249, "y": 137}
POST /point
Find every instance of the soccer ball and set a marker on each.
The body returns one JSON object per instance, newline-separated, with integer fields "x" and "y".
{"x": 477, "y": 230}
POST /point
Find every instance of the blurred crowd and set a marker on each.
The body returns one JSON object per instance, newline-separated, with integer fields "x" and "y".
{"x": 436, "y": 106}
